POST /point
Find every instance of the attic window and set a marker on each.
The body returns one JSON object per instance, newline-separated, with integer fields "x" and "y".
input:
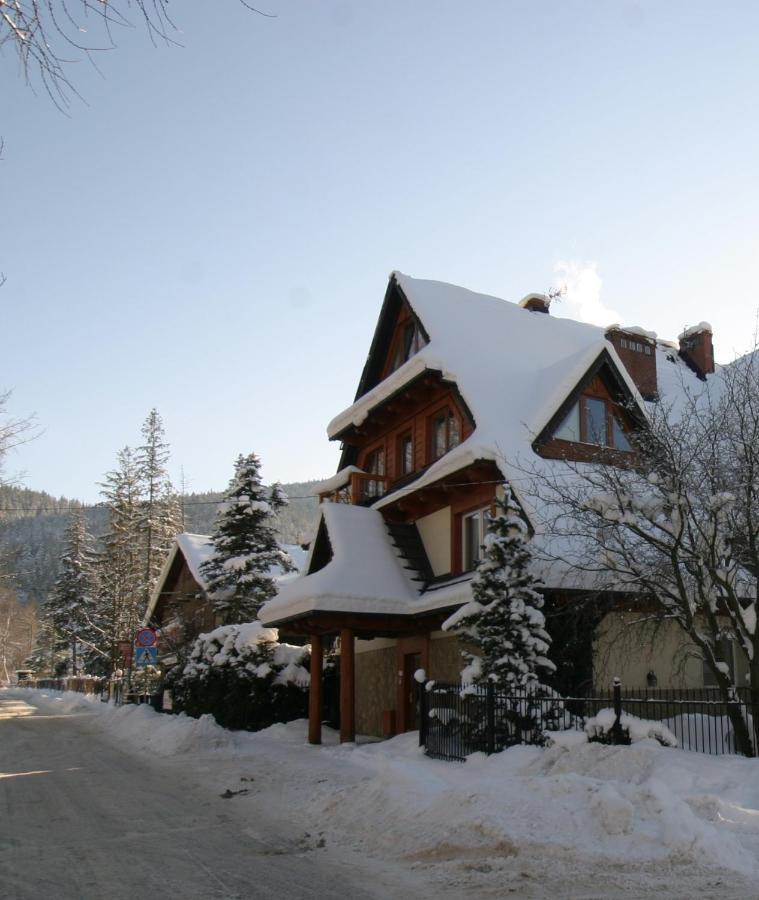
{"x": 593, "y": 420}
{"x": 410, "y": 341}
{"x": 635, "y": 346}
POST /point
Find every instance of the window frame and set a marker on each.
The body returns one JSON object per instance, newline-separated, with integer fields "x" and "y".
{"x": 611, "y": 415}
{"x": 409, "y": 340}
{"x": 481, "y": 513}
{"x": 401, "y": 469}
{"x": 450, "y": 415}
{"x": 727, "y": 647}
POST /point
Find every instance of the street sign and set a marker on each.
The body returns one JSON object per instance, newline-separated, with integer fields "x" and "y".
{"x": 125, "y": 652}
{"x": 145, "y": 656}
{"x": 145, "y": 637}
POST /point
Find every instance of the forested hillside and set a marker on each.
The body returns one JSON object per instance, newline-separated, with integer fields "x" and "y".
{"x": 32, "y": 525}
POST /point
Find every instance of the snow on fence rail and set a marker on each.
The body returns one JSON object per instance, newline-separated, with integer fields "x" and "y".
{"x": 459, "y": 720}
{"x": 82, "y": 685}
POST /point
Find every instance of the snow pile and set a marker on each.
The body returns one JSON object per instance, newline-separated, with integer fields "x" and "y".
{"x": 615, "y": 805}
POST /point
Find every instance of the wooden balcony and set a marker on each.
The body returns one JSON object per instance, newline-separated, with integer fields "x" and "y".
{"x": 362, "y": 489}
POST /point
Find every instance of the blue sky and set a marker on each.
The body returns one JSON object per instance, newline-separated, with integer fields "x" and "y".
{"x": 212, "y": 231}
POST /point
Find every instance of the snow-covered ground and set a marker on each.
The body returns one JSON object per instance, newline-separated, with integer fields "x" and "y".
{"x": 582, "y": 821}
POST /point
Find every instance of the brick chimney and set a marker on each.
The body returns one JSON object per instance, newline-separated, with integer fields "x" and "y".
{"x": 697, "y": 349}
{"x": 637, "y": 350}
{"x": 536, "y": 303}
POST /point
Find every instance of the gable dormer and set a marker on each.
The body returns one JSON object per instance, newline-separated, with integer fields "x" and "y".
{"x": 398, "y": 335}
{"x": 596, "y": 421}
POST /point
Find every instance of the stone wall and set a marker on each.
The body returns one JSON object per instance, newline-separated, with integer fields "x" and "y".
{"x": 445, "y": 659}
{"x": 375, "y": 688}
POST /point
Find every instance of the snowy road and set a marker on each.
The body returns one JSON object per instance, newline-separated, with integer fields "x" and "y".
{"x": 80, "y": 819}
{"x": 109, "y": 803}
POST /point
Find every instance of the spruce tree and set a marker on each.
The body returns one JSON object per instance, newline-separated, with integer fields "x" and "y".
{"x": 71, "y": 610}
{"x": 503, "y": 628}
{"x": 120, "y": 563}
{"x": 245, "y": 546}
{"x": 159, "y": 510}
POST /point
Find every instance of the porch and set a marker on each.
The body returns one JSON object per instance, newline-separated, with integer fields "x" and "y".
{"x": 410, "y": 638}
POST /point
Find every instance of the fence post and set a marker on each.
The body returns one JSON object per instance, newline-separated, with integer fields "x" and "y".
{"x": 616, "y": 728}
{"x": 490, "y": 707}
{"x": 423, "y": 717}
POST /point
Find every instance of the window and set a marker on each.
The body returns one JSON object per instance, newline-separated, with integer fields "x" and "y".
{"x": 405, "y": 454}
{"x": 375, "y": 465}
{"x": 409, "y": 342}
{"x": 725, "y": 654}
{"x": 593, "y": 420}
{"x": 473, "y": 528}
{"x": 445, "y": 433}
{"x": 635, "y": 346}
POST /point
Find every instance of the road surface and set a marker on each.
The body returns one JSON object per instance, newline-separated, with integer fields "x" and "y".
{"x": 81, "y": 819}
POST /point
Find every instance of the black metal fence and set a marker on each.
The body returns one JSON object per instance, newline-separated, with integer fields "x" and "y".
{"x": 456, "y": 721}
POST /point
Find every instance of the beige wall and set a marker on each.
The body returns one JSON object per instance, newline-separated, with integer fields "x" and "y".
{"x": 629, "y": 649}
{"x": 435, "y": 530}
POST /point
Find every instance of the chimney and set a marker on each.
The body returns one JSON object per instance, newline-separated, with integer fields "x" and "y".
{"x": 536, "y": 303}
{"x": 637, "y": 350}
{"x": 697, "y": 349}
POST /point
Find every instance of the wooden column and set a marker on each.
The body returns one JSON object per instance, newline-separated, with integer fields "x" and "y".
{"x": 347, "y": 687}
{"x": 315, "y": 691}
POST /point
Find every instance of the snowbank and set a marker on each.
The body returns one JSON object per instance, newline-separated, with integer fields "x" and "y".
{"x": 572, "y": 804}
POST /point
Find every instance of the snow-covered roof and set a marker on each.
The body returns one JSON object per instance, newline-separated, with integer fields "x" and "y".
{"x": 198, "y": 548}
{"x": 514, "y": 369}
{"x": 365, "y": 573}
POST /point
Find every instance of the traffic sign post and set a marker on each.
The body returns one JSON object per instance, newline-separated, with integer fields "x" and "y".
{"x": 145, "y": 637}
{"x": 145, "y": 656}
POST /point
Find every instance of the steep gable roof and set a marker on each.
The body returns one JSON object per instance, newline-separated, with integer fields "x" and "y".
{"x": 517, "y": 371}
{"x": 514, "y": 369}
{"x": 196, "y": 549}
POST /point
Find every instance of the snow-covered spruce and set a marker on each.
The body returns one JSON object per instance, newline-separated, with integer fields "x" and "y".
{"x": 245, "y": 545}
{"x": 244, "y": 677}
{"x": 69, "y": 615}
{"x": 502, "y": 628}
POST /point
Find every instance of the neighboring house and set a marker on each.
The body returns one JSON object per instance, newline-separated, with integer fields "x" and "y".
{"x": 179, "y": 605}
{"x": 460, "y": 392}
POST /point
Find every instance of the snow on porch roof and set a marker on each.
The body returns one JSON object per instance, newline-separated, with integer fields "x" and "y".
{"x": 364, "y": 575}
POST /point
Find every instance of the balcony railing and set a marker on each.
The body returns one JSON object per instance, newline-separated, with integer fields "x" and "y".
{"x": 362, "y": 489}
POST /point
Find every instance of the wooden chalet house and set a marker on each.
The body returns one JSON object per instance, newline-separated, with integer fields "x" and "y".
{"x": 459, "y": 389}
{"x": 180, "y": 605}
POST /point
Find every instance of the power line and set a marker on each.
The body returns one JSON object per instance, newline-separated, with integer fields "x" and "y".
{"x": 398, "y": 492}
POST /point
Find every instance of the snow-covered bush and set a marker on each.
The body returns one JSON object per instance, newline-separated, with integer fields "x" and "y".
{"x": 244, "y": 677}
{"x": 599, "y": 727}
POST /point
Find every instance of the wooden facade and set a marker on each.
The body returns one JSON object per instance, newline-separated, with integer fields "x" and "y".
{"x": 182, "y": 609}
